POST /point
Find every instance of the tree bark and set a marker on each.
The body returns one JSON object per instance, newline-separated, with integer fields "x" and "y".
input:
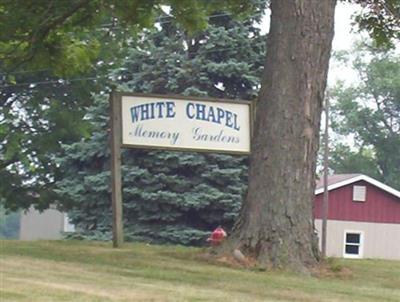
{"x": 276, "y": 225}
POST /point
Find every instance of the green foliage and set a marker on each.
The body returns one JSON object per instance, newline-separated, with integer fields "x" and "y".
{"x": 370, "y": 112}
{"x": 381, "y": 19}
{"x": 169, "y": 197}
{"x": 34, "y": 122}
{"x": 58, "y": 35}
{"x": 35, "y": 119}
{"x": 363, "y": 160}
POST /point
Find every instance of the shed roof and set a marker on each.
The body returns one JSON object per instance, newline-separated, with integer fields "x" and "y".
{"x": 340, "y": 180}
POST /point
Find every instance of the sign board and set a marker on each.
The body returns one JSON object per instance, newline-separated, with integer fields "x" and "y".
{"x": 181, "y": 123}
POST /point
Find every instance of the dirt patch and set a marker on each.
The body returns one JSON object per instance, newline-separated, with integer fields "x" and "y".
{"x": 327, "y": 269}
{"x": 227, "y": 261}
{"x": 332, "y": 269}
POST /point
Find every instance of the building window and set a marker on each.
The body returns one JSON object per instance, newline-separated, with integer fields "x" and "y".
{"x": 359, "y": 193}
{"x": 353, "y": 244}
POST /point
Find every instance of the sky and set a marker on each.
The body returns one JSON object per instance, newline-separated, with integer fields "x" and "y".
{"x": 343, "y": 40}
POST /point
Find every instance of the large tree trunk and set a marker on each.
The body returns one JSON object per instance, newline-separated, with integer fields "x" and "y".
{"x": 276, "y": 225}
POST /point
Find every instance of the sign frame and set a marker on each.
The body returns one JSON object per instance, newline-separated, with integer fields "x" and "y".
{"x": 118, "y": 98}
{"x": 116, "y": 144}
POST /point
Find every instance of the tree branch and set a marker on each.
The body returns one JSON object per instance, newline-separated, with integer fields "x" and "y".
{"x": 44, "y": 29}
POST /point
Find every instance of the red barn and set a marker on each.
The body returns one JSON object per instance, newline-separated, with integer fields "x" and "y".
{"x": 363, "y": 217}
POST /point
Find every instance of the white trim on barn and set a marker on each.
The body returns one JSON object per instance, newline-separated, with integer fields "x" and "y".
{"x": 359, "y": 178}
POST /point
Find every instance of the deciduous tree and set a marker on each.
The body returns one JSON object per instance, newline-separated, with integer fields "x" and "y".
{"x": 370, "y": 112}
{"x": 275, "y": 225}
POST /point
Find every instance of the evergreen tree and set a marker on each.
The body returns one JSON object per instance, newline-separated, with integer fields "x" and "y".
{"x": 168, "y": 196}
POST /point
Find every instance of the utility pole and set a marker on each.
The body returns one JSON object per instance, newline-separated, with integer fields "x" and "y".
{"x": 325, "y": 201}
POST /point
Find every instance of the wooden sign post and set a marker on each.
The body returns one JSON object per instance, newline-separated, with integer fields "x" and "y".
{"x": 116, "y": 185}
{"x": 172, "y": 123}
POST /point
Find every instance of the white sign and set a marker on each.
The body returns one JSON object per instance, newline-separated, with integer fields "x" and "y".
{"x": 180, "y": 123}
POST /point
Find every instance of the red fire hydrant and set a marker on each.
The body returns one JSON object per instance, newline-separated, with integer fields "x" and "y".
{"x": 217, "y": 236}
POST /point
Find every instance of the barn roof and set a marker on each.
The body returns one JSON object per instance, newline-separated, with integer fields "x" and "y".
{"x": 340, "y": 180}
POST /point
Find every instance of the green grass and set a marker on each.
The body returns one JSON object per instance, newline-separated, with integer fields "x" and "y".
{"x": 92, "y": 271}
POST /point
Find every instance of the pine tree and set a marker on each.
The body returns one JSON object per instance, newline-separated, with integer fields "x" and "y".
{"x": 172, "y": 197}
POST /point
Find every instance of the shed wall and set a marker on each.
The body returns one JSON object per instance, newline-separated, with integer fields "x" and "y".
{"x": 381, "y": 240}
{"x": 46, "y": 225}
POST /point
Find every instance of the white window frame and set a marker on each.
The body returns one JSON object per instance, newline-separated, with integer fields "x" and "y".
{"x": 356, "y": 193}
{"x": 360, "y": 245}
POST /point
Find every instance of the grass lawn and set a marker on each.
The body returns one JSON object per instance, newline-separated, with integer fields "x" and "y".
{"x": 92, "y": 271}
